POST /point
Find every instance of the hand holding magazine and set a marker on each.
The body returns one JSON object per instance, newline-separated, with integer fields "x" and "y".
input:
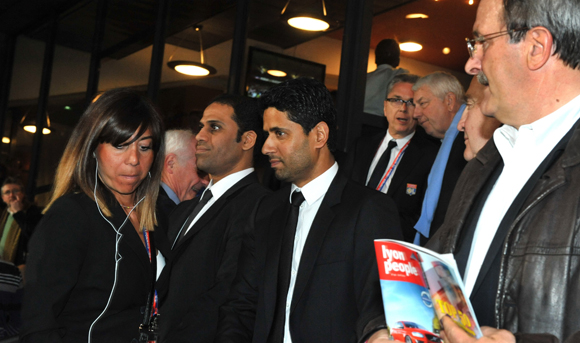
{"x": 420, "y": 286}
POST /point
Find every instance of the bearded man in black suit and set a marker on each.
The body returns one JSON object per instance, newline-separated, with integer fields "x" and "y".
{"x": 308, "y": 271}
{"x": 206, "y": 233}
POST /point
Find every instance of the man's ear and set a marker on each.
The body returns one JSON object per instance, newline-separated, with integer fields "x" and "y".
{"x": 169, "y": 163}
{"x": 249, "y": 140}
{"x": 539, "y": 47}
{"x": 321, "y": 133}
{"x": 450, "y": 100}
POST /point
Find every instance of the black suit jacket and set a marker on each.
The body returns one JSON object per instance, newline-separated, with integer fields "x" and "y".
{"x": 202, "y": 265}
{"x": 453, "y": 170}
{"x": 413, "y": 169}
{"x": 71, "y": 270}
{"x": 337, "y": 297}
{"x": 163, "y": 209}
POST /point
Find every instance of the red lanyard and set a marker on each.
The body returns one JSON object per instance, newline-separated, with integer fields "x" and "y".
{"x": 147, "y": 246}
{"x": 389, "y": 172}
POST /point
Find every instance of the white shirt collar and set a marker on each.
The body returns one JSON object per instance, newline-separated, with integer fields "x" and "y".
{"x": 400, "y": 141}
{"x": 316, "y": 188}
{"x": 222, "y": 186}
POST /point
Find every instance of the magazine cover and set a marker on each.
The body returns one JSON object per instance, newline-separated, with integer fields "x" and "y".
{"x": 418, "y": 287}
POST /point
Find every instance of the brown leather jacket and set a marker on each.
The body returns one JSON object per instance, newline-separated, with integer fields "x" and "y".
{"x": 539, "y": 286}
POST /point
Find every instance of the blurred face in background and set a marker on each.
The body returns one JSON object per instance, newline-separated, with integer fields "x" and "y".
{"x": 477, "y": 128}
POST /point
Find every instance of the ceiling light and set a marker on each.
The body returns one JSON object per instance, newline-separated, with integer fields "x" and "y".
{"x": 446, "y": 51}
{"x": 471, "y": 2}
{"x": 5, "y": 140}
{"x": 30, "y": 125}
{"x": 308, "y": 21}
{"x": 417, "y": 15}
{"x": 410, "y": 46}
{"x": 193, "y": 68}
{"x": 277, "y": 73}
{"x": 32, "y": 129}
{"x": 308, "y": 24}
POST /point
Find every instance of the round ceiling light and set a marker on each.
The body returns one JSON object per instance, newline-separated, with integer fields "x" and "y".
{"x": 416, "y": 16}
{"x": 410, "y": 46}
{"x": 308, "y": 23}
{"x": 446, "y": 51}
{"x": 192, "y": 68}
{"x": 277, "y": 73}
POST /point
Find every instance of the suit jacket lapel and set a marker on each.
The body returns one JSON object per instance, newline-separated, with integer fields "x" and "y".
{"x": 130, "y": 236}
{"x": 315, "y": 239}
{"x": 275, "y": 235}
{"x": 214, "y": 209}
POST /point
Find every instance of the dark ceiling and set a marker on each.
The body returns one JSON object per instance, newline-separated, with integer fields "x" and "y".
{"x": 130, "y": 24}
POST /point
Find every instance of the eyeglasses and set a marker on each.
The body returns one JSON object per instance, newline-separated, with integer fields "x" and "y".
{"x": 399, "y": 102}
{"x": 13, "y": 191}
{"x": 472, "y": 43}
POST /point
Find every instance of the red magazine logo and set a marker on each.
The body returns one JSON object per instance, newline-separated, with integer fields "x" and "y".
{"x": 398, "y": 263}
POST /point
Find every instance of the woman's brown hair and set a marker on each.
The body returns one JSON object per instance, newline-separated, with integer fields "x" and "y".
{"x": 112, "y": 118}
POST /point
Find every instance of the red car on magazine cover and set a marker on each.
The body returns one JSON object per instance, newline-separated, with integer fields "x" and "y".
{"x": 410, "y": 332}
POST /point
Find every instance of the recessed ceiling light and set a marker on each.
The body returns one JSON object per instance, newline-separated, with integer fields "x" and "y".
{"x": 277, "y": 73}
{"x": 417, "y": 15}
{"x": 471, "y": 2}
{"x": 410, "y": 46}
{"x": 446, "y": 50}
{"x": 5, "y": 140}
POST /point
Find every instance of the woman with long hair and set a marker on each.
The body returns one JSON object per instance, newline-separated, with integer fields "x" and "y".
{"x": 89, "y": 272}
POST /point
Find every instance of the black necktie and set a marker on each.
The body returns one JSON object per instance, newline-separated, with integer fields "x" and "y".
{"x": 381, "y": 166}
{"x": 207, "y": 195}
{"x": 285, "y": 268}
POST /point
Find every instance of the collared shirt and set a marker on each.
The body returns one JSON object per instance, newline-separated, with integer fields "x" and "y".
{"x": 522, "y": 152}
{"x": 313, "y": 193}
{"x": 400, "y": 144}
{"x": 170, "y": 193}
{"x": 218, "y": 189}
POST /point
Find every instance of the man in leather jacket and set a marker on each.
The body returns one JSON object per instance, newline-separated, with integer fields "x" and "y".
{"x": 513, "y": 221}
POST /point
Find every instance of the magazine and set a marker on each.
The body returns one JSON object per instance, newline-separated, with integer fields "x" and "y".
{"x": 420, "y": 286}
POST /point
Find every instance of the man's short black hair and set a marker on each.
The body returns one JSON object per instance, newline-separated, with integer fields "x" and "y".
{"x": 306, "y": 102}
{"x": 388, "y": 52}
{"x": 247, "y": 115}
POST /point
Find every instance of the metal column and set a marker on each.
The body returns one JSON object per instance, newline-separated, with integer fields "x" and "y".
{"x": 238, "y": 47}
{"x": 7, "y": 47}
{"x": 158, "y": 49}
{"x": 95, "y": 67}
{"x": 353, "y": 67}
{"x": 42, "y": 102}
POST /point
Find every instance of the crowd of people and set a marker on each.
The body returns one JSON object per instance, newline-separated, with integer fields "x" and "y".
{"x": 169, "y": 236}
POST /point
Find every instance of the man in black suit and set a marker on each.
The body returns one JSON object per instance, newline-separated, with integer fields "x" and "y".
{"x": 308, "y": 271}
{"x": 179, "y": 180}
{"x": 206, "y": 233}
{"x": 396, "y": 162}
{"x": 439, "y": 103}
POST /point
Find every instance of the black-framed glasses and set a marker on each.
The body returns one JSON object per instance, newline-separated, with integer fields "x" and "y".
{"x": 472, "y": 43}
{"x": 399, "y": 102}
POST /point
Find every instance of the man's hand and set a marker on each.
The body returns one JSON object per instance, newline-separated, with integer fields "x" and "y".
{"x": 453, "y": 333}
{"x": 16, "y": 204}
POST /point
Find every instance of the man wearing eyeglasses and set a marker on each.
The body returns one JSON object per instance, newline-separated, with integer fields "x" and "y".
{"x": 514, "y": 220}
{"x": 397, "y": 162}
{"x": 439, "y": 104}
